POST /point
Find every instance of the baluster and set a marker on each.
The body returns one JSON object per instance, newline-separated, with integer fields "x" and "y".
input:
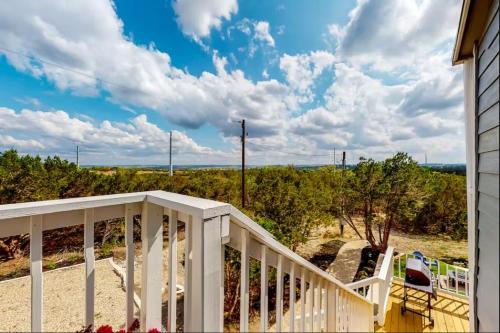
{"x": 244, "y": 292}
{"x": 292, "y": 297}
{"x": 448, "y": 287}
{"x": 317, "y": 305}
{"x": 438, "y": 274}
{"x": 331, "y": 307}
{"x": 36, "y": 227}
{"x": 130, "y": 254}
{"x": 341, "y": 310}
{"x": 88, "y": 240}
{"x": 303, "y": 300}
{"x": 172, "y": 271}
{"x": 264, "y": 290}
{"x": 399, "y": 266}
{"x": 466, "y": 283}
{"x": 188, "y": 245}
{"x": 310, "y": 299}
{"x": 279, "y": 294}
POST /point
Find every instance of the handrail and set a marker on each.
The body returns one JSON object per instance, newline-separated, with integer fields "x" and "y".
{"x": 326, "y": 303}
{"x": 262, "y": 235}
{"x": 377, "y": 288}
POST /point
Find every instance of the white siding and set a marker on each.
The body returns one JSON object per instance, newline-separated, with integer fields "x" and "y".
{"x": 487, "y": 283}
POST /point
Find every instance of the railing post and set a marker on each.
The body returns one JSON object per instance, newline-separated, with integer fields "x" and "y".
{"x": 36, "y": 272}
{"x": 152, "y": 266}
{"x": 205, "y": 276}
{"x": 89, "y": 266}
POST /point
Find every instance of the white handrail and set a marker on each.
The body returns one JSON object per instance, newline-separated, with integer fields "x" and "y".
{"x": 377, "y": 288}
{"x": 210, "y": 225}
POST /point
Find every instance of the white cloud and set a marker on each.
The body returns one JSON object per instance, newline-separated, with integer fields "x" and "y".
{"x": 393, "y": 34}
{"x": 262, "y": 33}
{"x": 55, "y": 132}
{"x": 86, "y": 37}
{"x": 257, "y": 33}
{"x": 197, "y": 18}
{"x": 301, "y": 70}
{"x": 367, "y": 117}
{"x": 280, "y": 30}
{"x": 7, "y": 141}
{"x": 358, "y": 112}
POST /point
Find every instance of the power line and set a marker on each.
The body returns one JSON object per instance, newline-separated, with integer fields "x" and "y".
{"x": 48, "y": 62}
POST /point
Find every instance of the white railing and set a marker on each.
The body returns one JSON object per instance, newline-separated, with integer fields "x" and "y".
{"x": 325, "y": 303}
{"x": 450, "y": 279}
{"x": 377, "y": 288}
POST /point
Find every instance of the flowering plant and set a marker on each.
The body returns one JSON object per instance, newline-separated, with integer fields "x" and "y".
{"x": 108, "y": 329}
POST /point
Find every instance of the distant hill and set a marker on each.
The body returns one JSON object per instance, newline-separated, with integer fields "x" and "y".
{"x": 458, "y": 169}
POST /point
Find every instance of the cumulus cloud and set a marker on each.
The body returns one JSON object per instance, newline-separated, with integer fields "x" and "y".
{"x": 262, "y": 33}
{"x": 97, "y": 56}
{"x": 392, "y": 34}
{"x": 56, "y": 132}
{"x": 257, "y": 33}
{"x": 80, "y": 47}
{"x": 302, "y": 69}
{"x": 197, "y": 18}
{"x": 367, "y": 117}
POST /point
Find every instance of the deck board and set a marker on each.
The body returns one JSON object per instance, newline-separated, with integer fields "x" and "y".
{"x": 450, "y": 313}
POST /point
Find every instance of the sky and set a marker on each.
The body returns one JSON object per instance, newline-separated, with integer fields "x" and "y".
{"x": 367, "y": 77}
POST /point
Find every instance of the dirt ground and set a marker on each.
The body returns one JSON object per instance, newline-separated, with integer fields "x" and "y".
{"x": 439, "y": 247}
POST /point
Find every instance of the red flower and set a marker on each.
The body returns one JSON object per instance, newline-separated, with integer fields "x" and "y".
{"x": 153, "y": 330}
{"x": 105, "y": 329}
{"x": 135, "y": 325}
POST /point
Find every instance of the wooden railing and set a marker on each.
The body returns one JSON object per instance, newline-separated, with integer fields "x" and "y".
{"x": 325, "y": 303}
{"x": 377, "y": 288}
{"x": 449, "y": 279}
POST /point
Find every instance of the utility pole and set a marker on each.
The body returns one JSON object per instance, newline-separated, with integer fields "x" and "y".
{"x": 334, "y": 157}
{"x": 77, "y": 157}
{"x": 425, "y": 158}
{"x": 243, "y": 135}
{"x": 342, "y": 219}
{"x": 171, "y": 170}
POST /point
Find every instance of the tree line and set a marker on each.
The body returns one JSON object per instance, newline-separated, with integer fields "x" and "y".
{"x": 290, "y": 202}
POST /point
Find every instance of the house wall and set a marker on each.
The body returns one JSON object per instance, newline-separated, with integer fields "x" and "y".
{"x": 487, "y": 180}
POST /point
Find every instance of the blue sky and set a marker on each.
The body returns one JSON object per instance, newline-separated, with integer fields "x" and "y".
{"x": 368, "y": 77}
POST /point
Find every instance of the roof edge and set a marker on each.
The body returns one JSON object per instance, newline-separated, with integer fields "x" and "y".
{"x": 456, "y": 59}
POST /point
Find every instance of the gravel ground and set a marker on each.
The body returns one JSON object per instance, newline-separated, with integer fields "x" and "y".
{"x": 64, "y": 296}
{"x": 63, "y": 300}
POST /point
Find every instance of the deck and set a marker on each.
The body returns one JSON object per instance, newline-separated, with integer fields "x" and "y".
{"x": 451, "y": 314}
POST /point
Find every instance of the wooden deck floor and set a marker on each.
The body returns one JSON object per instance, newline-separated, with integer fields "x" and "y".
{"x": 450, "y": 313}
